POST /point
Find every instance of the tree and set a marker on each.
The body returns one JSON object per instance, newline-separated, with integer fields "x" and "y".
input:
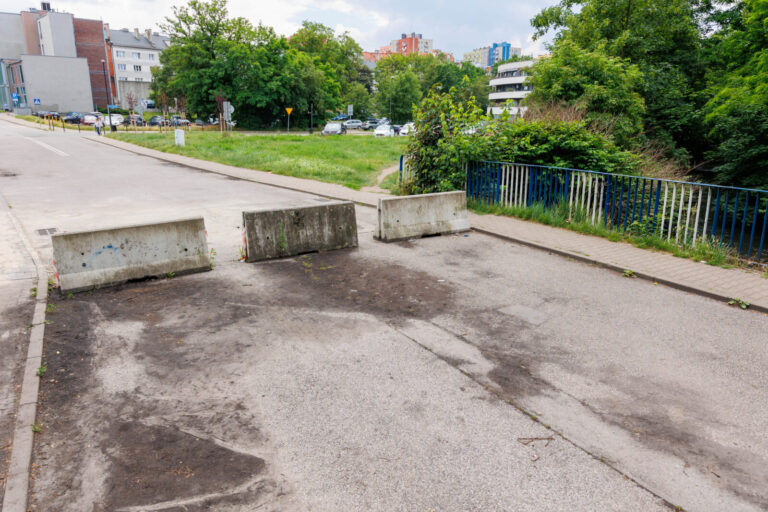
{"x": 400, "y": 93}
{"x": 737, "y": 113}
{"x": 605, "y": 88}
{"x": 663, "y": 39}
{"x": 357, "y": 96}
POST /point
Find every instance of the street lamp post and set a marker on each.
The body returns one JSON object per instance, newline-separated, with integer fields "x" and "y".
{"x": 391, "y": 82}
{"x": 109, "y": 94}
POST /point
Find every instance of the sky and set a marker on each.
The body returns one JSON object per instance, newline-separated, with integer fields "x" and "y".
{"x": 454, "y": 26}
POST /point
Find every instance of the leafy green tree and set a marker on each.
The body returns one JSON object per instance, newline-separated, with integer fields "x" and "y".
{"x": 357, "y": 96}
{"x": 737, "y": 113}
{"x": 606, "y": 88}
{"x": 399, "y": 92}
{"x": 663, "y": 39}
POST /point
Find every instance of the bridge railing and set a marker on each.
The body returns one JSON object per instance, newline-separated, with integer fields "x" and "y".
{"x": 684, "y": 211}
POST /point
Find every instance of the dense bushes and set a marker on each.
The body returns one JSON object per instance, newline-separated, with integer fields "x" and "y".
{"x": 451, "y": 130}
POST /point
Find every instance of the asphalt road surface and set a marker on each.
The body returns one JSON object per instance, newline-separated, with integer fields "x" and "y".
{"x": 447, "y": 373}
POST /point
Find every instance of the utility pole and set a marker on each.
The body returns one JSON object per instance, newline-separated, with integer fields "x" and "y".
{"x": 311, "y": 113}
{"x": 391, "y": 81}
{"x": 109, "y": 94}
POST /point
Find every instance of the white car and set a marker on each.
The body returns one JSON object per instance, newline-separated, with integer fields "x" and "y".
{"x": 407, "y": 129}
{"x": 117, "y": 119}
{"x": 91, "y": 117}
{"x": 384, "y": 130}
{"x": 353, "y": 124}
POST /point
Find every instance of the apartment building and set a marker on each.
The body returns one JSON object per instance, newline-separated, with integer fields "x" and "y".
{"x": 134, "y": 53}
{"x": 408, "y": 44}
{"x": 509, "y": 88}
{"x": 41, "y": 67}
{"x": 487, "y": 56}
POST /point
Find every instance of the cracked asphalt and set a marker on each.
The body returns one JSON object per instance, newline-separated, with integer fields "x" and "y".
{"x": 447, "y": 373}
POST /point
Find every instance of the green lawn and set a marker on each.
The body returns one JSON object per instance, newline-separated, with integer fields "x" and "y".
{"x": 350, "y": 160}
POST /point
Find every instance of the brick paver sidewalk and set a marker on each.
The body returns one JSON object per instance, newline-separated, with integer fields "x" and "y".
{"x": 696, "y": 277}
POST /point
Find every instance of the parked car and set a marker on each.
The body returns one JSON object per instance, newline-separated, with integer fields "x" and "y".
{"x": 72, "y": 117}
{"x": 91, "y": 117}
{"x": 340, "y": 117}
{"x": 113, "y": 120}
{"x": 353, "y": 124}
{"x": 41, "y": 113}
{"x": 136, "y": 119}
{"x": 370, "y": 124}
{"x": 334, "y": 129}
{"x": 178, "y": 121}
{"x": 407, "y": 129}
{"x": 157, "y": 121}
{"x": 384, "y": 130}
{"x": 149, "y": 104}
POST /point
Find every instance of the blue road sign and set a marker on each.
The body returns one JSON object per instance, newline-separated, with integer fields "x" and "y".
{"x": 36, "y": 101}
{"x": 14, "y": 96}
{"x": 113, "y": 106}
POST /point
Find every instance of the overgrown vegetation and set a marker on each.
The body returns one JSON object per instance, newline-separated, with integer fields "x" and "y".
{"x": 451, "y": 129}
{"x": 700, "y": 67}
{"x": 348, "y": 160}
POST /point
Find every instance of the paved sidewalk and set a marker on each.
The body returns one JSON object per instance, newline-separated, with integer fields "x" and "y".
{"x": 688, "y": 275}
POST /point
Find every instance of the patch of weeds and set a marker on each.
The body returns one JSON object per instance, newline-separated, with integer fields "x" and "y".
{"x": 242, "y": 253}
{"x": 33, "y": 292}
{"x": 212, "y": 256}
{"x": 51, "y": 283}
{"x": 37, "y": 428}
{"x": 282, "y": 243}
{"x": 41, "y": 370}
{"x": 170, "y": 275}
{"x": 50, "y": 308}
{"x": 629, "y": 273}
{"x": 70, "y": 296}
{"x": 765, "y": 275}
{"x": 47, "y": 322}
{"x": 738, "y": 302}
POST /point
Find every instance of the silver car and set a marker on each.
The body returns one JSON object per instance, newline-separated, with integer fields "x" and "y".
{"x": 334, "y": 129}
{"x": 353, "y": 124}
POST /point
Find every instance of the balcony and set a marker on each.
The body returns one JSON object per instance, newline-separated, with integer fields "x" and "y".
{"x": 507, "y": 80}
{"x": 508, "y": 95}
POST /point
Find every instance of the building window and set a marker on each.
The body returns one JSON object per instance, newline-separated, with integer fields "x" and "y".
{"x": 137, "y": 68}
{"x": 122, "y": 78}
{"x": 120, "y": 53}
{"x": 151, "y": 56}
{"x": 139, "y": 79}
{"x": 136, "y": 55}
{"x": 121, "y": 67}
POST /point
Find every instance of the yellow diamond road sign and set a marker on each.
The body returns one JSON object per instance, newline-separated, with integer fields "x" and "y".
{"x": 289, "y": 110}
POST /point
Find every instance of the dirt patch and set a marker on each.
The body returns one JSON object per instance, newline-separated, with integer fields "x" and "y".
{"x": 339, "y": 280}
{"x": 182, "y": 466}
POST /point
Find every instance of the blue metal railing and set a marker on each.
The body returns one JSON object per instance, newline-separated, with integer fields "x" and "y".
{"x": 688, "y": 212}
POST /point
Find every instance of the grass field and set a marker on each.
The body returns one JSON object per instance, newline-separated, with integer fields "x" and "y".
{"x": 352, "y": 161}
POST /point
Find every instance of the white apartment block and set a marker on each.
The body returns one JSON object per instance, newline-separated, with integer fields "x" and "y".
{"x": 135, "y": 54}
{"x": 509, "y": 88}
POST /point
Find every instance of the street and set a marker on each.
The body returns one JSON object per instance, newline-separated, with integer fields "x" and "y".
{"x": 447, "y": 373}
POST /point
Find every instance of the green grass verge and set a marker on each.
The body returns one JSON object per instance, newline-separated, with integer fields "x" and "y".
{"x": 712, "y": 253}
{"x": 352, "y": 161}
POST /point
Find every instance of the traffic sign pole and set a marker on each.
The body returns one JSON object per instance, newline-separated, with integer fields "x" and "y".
{"x": 289, "y": 110}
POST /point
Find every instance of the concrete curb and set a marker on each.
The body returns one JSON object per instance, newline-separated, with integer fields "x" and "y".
{"x": 17, "y": 481}
{"x": 139, "y": 150}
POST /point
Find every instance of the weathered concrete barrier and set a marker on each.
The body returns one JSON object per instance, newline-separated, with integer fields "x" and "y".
{"x": 290, "y": 231}
{"x": 91, "y": 259}
{"x": 400, "y": 218}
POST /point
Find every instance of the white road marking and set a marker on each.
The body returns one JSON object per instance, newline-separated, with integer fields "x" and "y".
{"x": 48, "y": 147}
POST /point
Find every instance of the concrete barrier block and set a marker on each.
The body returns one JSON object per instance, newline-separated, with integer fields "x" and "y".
{"x": 92, "y": 259}
{"x": 400, "y": 218}
{"x": 285, "y": 232}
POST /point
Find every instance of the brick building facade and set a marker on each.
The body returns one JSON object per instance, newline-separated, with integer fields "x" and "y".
{"x": 90, "y": 44}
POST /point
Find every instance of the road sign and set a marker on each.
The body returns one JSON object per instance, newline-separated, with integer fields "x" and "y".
{"x": 350, "y": 109}
{"x": 36, "y": 101}
{"x": 113, "y": 106}
{"x": 14, "y": 95}
{"x": 289, "y": 110}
